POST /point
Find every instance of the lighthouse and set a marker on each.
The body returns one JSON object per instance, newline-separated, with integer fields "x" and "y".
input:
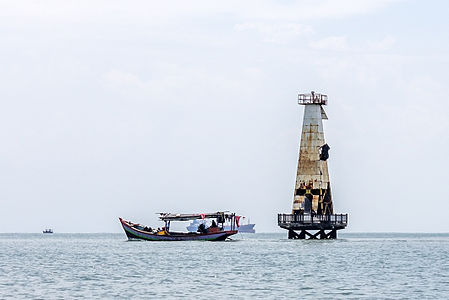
{"x": 313, "y": 212}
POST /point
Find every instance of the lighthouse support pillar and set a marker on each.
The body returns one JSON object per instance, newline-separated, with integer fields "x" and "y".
{"x": 306, "y": 235}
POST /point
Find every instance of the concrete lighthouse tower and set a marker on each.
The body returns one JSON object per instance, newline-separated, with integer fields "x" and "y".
{"x": 313, "y": 213}
{"x": 312, "y": 190}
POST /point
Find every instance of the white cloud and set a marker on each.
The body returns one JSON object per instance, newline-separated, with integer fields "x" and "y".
{"x": 277, "y": 32}
{"x": 384, "y": 44}
{"x": 343, "y": 8}
{"x": 334, "y": 43}
{"x": 68, "y": 11}
{"x": 340, "y": 43}
{"x": 120, "y": 78}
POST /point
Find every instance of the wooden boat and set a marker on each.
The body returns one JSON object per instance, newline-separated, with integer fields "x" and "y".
{"x": 215, "y": 232}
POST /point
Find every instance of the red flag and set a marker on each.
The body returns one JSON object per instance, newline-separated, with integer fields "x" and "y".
{"x": 203, "y": 216}
{"x": 237, "y": 219}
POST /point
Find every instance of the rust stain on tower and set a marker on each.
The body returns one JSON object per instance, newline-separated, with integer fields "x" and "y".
{"x": 313, "y": 212}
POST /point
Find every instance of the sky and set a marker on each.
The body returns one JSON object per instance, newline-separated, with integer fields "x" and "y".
{"x": 130, "y": 108}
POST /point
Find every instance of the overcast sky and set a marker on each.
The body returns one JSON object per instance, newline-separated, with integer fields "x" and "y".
{"x": 130, "y": 108}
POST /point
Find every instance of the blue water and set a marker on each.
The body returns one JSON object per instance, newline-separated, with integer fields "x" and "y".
{"x": 374, "y": 266}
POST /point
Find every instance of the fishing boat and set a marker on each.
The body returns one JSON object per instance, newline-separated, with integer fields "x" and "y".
{"x": 47, "y": 230}
{"x": 214, "y": 232}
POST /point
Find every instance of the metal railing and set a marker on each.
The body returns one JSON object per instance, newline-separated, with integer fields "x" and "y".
{"x": 312, "y": 99}
{"x": 312, "y": 219}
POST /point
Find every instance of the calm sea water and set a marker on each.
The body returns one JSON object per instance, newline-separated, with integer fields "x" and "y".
{"x": 374, "y": 266}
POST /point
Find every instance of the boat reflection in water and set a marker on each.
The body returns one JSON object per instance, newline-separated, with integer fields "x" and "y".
{"x": 215, "y": 232}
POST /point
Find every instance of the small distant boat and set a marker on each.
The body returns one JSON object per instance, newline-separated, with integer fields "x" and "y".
{"x": 215, "y": 232}
{"x": 242, "y": 228}
{"x": 48, "y": 230}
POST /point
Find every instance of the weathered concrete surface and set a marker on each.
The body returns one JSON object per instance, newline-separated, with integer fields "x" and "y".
{"x": 312, "y": 178}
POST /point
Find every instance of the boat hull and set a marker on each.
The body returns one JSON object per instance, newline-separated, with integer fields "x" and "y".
{"x": 136, "y": 234}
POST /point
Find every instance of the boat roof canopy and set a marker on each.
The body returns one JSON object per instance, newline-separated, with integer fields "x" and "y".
{"x": 189, "y": 217}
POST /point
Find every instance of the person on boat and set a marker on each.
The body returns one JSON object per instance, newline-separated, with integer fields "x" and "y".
{"x": 163, "y": 231}
{"x": 213, "y": 227}
{"x": 202, "y": 228}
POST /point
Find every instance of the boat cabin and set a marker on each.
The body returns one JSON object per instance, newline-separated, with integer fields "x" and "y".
{"x": 218, "y": 220}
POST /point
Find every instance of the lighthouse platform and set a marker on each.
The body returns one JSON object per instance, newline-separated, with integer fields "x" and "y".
{"x": 311, "y": 226}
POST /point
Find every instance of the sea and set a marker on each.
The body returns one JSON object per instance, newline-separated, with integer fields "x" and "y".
{"x": 250, "y": 266}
